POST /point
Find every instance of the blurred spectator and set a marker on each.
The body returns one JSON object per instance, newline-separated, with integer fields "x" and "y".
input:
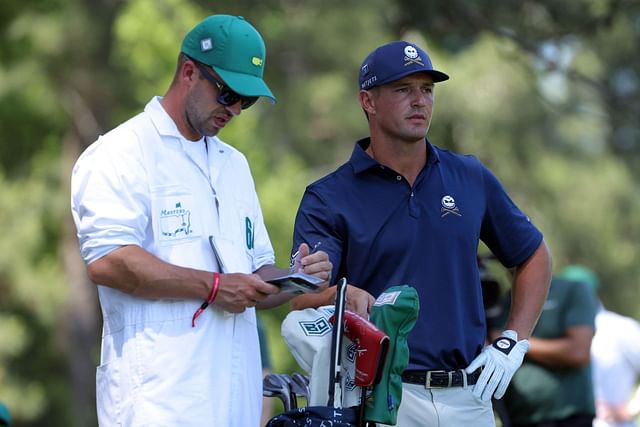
{"x": 553, "y": 388}
{"x": 5, "y": 417}
{"x": 615, "y": 359}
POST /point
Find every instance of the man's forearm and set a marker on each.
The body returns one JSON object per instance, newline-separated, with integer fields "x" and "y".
{"x": 135, "y": 271}
{"x": 529, "y": 291}
{"x": 325, "y": 297}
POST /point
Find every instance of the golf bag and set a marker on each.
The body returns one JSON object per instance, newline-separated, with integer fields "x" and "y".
{"x": 381, "y": 355}
{"x": 316, "y": 416}
{"x": 333, "y": 414}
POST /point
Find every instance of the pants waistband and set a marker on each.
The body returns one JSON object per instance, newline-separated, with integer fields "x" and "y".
{"x": 441, "y": 378}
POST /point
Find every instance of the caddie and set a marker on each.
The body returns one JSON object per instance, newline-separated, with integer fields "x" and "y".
{"x": 172, "y": 233}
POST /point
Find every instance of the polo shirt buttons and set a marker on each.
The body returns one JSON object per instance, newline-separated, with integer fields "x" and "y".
{"x": 399, "y": 178}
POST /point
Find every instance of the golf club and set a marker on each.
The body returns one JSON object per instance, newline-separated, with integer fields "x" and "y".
{"x": 301, "y": 383}
{"x": 274, "y": 386}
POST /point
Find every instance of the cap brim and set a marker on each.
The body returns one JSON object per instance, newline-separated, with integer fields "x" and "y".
{"x": 245, "y": 84}
{"x": 438, "y": 76}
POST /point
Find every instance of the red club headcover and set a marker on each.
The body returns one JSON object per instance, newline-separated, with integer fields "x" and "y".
{"x": 373, "y": 345}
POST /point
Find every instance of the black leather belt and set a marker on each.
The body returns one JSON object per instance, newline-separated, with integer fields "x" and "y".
{"x": 440, "y": 379}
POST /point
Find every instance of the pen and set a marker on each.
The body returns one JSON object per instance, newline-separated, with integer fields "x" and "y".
{"x": 294, "y": 257}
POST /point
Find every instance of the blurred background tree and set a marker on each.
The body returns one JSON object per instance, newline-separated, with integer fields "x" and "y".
{"x": 545, "y": 92}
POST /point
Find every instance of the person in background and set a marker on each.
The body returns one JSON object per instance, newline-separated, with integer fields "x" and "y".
{"x": 5, "y": 416}
{"x": 615, "y": 359}
{"x": 553, "y": 387}
{"x": 171, "y": 230}
{"x": 403, "y": 211}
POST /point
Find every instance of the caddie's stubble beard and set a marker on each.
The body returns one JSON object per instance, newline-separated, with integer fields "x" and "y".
{"x": 198, "y": 117}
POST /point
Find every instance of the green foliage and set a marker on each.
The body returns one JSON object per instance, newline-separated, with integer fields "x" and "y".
{"x": 33, "y": 292}
{"x": 148, "y": 36}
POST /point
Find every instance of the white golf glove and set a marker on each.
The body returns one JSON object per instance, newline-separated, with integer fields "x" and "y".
{"x": 500, "y": 360}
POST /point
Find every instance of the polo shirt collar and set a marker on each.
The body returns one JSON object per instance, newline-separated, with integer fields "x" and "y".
{"x": 361, "y": 161}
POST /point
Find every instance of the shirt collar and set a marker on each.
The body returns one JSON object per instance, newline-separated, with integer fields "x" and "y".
{"x": 161, "y": 119}
{"x": 165, "y": 124}
{"x": 362, "y": 161}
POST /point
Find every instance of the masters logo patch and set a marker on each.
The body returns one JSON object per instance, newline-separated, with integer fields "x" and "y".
{"x": 175, "y": 222}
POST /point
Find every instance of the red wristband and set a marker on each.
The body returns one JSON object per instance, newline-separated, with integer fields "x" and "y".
{"x": 212, "y": 295}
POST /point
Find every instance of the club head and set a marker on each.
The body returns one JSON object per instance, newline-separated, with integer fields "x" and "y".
{"x": 273, "y": 385}
{"x": 286, "y": 380}
{"x": 300, "y": 385}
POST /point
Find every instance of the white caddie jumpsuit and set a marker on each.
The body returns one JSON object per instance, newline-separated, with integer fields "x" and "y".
{"x": 141, "y": 185}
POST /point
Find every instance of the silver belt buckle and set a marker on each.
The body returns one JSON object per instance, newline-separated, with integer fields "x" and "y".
{"x": 442, "y": 371}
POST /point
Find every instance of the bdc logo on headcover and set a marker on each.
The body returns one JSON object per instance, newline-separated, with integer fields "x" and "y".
{"x": 249, "y": 233}
{"x": 318, "y": 327}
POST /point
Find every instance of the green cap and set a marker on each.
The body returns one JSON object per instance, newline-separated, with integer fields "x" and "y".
{"x": 234, "y": 49}
{"x": 579, "y": 273}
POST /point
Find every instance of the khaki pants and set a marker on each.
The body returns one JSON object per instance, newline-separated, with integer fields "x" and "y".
{"x": 443, "y": 407}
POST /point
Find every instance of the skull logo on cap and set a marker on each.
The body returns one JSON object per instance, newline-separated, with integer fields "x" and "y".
{"x": 411, "y": 52}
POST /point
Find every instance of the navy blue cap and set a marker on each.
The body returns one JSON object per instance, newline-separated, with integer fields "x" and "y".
{"x": 393, "y": 61}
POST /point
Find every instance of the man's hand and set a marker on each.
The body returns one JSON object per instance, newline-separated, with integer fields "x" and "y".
{"x": 238, "y": 291}
{"x": 314, "y": 263}
{"x": 359, "y": 301}
{"x": 500, "y": 361}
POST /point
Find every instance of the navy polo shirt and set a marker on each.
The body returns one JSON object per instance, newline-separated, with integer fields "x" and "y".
{"x": 381, "y": 232}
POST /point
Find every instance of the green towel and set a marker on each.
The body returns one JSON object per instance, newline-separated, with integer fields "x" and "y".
{"x": 395, "y": 312}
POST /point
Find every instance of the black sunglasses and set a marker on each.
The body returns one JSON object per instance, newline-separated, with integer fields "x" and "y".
{"x": 226, "y": 95}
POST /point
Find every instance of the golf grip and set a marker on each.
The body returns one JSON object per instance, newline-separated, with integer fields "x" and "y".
{"x": 335, "y": 374}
